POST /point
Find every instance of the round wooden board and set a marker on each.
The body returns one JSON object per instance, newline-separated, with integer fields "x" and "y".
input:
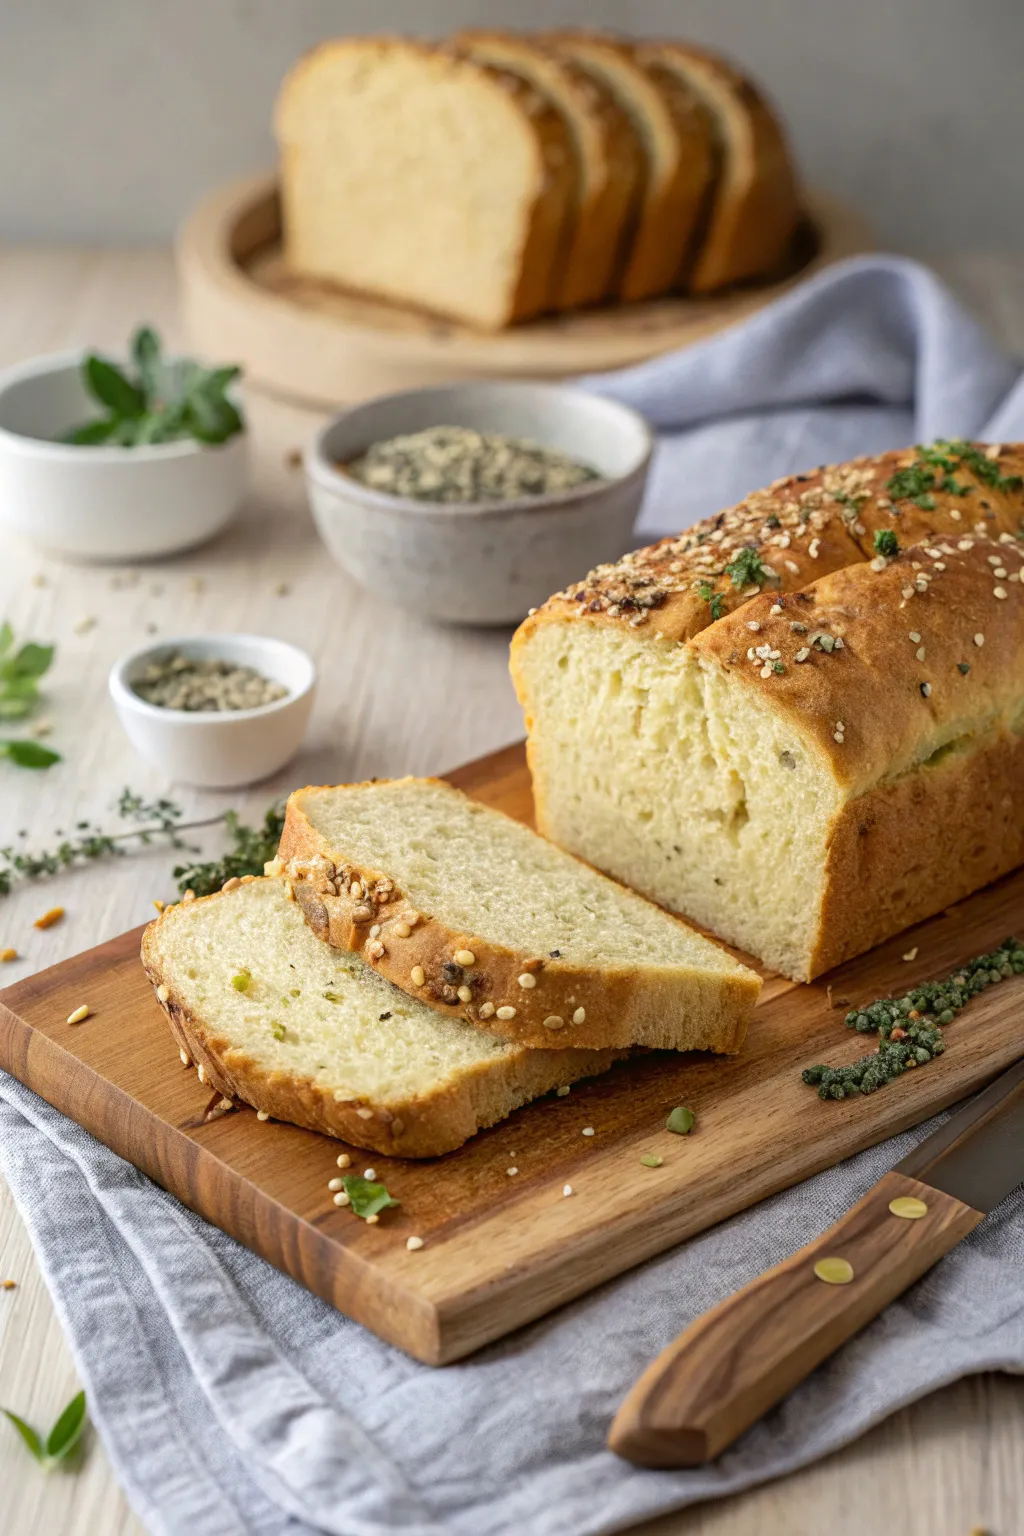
{"x": 323, "y": 347}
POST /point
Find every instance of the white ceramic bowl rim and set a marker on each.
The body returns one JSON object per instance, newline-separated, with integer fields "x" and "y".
{"x": 320, "y": 467}
{"x": 65, "y": 362}
{"x": 262, "y": 645}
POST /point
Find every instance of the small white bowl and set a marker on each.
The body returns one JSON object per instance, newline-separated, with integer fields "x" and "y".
{"x": 220, "y": 749}
{"x": 481, "y": 562}
{"x": 104, "y": 503}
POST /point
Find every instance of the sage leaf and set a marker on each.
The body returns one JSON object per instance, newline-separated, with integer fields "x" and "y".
{"x": 93, "y": 432}
{"x": 366, "y": 1198}
{"x": 112, "y": 388}
{"x": 29, "y": 754}
{"x": 27, "y": 1433}
{"x": 67, "y": 1431}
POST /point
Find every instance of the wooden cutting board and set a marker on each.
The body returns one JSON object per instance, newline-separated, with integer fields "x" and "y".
{"x": 501, "y": 1249}
{"x": 323, "y": 347}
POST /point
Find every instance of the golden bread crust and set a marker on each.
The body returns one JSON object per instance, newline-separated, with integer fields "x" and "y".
{"x": 620, "y": 1007}
{"x": 879, "y": 668}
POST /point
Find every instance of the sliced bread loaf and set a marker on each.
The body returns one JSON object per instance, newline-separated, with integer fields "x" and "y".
{"x": 278, "y": 1020}
{"x": 425, "y": 177}
{"x": 755, "y": 207}
{"x": 608, "y": 150}
{"x": 676, "y": 134}
{"x": 478, "y": 916}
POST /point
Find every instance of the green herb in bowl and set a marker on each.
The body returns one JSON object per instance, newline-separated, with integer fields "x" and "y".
{"x": 161, "y": 400}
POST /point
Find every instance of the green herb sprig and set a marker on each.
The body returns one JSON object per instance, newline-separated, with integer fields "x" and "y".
{"x": 162, "y": 402}
{"x": 910, "y": 1028}
{"x": 63, "y": 1437}
{"x": 935, "y": 470}
{"x": 747, "y": 569}
{"x": 252, "y": 847}
{"x": 715, "y": 600}
{"x": 365, "y": 1197}
{"x": 886, "y": 543}
{"x": 20, "y": 671}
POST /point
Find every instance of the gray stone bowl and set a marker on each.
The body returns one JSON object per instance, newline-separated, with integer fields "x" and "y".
{"x": 481, "y": 562}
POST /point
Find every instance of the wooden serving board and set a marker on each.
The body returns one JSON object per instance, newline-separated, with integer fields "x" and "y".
{"x": 500, "y": 1250}
{"x": 323, "y": 347}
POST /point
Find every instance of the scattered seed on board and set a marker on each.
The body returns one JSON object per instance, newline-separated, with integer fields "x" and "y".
{"x": 341, "y": 1198}
{"x": 511, "y": 1171}
{"x": 7, "y": 955}
{"x": 261, "y": 1114}
{"x": 561, "y": 1093}
{"x": 588, "y": 1130}
{"x": 48, "y": 919}
{"x": 8, "y": 1285}
{"x": 372, "y": 1219}
{"x": 344, "y": 1161}
{"x": 335, "y": 1184}
{"x": 413, "y": 1243}
{"x": 186, "y": 1059}
{"x": 911, "y": 954}
{"x": 79, "y": 1014}
{"x": 369, "y": 1173}
{"x": 566, "y": 1191}
{"x": 201, "y": 1073}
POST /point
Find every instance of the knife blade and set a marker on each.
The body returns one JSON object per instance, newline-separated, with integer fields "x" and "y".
{"x": 741, "y": 1358}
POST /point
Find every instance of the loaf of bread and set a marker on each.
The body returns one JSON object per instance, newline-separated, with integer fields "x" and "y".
{"x": 806, "y": 766}
{"x": 276, "y": 1019}
{"x": 426, "y": 177}
{"x": 479, "y": 917}
{"x": 502, "y": 175}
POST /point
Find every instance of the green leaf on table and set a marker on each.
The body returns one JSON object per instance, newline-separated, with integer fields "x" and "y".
{"x": 6, "y": 637}
{"x": 112, "y": 388}
{"x": 29, "y": 754}
{"x": 67, "y": 1431}
{"x": 63, "y": 1437}
{"x": 14, "y": 706}
{"x": 681, "y": 1121}
{"x": 31, "y": 661}
{"x": 27, "y": 1433}
{"x": 366, "y": 1198}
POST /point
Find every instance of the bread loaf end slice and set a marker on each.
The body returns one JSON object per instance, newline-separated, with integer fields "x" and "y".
{"x": 424, "y": 177}
{"x": 278, "y": 1020}
{"x": 479, "y": 917}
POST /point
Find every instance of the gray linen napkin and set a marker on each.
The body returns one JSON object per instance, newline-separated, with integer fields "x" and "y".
{"x": 232, "y": 1401}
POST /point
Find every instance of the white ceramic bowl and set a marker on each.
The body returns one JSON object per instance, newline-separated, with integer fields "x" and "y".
{"x": 226, "y": 748}
{"x": 481, "y": 562}
{"x": 104, "y": 503}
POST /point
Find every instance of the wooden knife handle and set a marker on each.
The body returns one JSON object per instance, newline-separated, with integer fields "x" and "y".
{"x": 742, "y": 1357}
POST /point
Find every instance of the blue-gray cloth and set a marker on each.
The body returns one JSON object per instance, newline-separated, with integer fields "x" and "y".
{"x": 232, "y": 1402}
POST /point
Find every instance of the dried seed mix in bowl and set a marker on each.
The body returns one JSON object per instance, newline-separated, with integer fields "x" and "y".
{"x": 205, "y": 684}
{"x": 458, "y": 464}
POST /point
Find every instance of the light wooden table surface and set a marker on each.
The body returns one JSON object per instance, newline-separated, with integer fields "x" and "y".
{"x": 395, "y": 696}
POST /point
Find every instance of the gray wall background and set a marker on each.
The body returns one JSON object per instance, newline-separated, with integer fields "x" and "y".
{"x": 116, "y": 114}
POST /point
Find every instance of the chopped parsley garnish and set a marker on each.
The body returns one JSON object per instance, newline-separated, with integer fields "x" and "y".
{"x": 715, "y": 600}
{"x": 910, "y": 1028}
{"x": 365, "y": 1197}
{"x": 935, "y": 470}
{"x": 681, "y": 1120}
{"x": 886, "y": 543}
{"x": 747, "y": 569}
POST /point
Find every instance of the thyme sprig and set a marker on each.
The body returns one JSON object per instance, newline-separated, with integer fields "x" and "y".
{"x": 910, "y": 1028}
{"x": 251, "y": 847}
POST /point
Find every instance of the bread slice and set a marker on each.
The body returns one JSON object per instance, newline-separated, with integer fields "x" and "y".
{"x": 478, "y": 916}
{"x": 677, "y": 139}
{"x": 424, "y": 177}
{"x": 278, "y": 1020}
{"x": 755, "y": 208}
{"x": 608, "y": 150}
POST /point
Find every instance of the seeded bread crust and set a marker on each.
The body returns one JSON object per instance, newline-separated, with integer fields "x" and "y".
{"x": 565, "y": 1006}
{"x": 539, "y": 274}
{"x": 801, "y": 528}
{"x": 755, "y": 206}
{"x": 426, "y": 1126}
{"x": 673, "y": 204}
{"x": 606, "y": 147}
